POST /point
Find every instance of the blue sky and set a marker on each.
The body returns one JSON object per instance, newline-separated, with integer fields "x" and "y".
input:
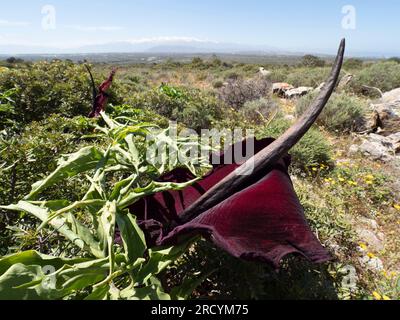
{"x": 306, "y": 25}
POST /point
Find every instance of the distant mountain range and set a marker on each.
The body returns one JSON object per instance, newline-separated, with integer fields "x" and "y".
{"x": 144, "y": 46}
{"x": 171, "y": 45}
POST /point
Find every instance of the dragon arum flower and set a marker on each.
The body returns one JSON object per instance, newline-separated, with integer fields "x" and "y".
{"x": 253, "y": 216}
{"x": 100, "y": 95}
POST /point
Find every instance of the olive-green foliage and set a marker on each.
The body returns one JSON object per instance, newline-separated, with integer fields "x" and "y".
{"x": 119, "y": 175}
{"x": 33, "y": 153}
{"x": 259, "y": 110}
{"x": 353, "y": 63}
{"x": 311, "y": 150}
{"x": 312, "y": 61}
{"x": 192, "y": 107}
{"x": 45, "y": 88}
{"x": 307, "y": 77}
{"x": 237, "y": 92}
{"x": 343, "y": 112}
{"x": 382, "y": 75}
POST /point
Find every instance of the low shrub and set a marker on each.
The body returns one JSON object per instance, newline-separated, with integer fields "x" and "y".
{"x": 237, "y": 92}
{"x": 353, "y": 63}
{"x": 45, "y": 88}
{"x": 382, "y": 75}
{"x": 343, "y": 113}
{"x": 312, "y": 61}
{"x": 312, "y": 149}
{"x": 194, "y": 108}
{"x": 259, "y": 110}
{"x": 307, "y": 77}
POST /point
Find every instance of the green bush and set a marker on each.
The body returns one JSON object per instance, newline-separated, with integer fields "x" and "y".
{"x": 382, "y": 75}
{"x": 194, "y": 108}
{"x": 237, "y": 92}
{"x": 45, "y": 88}
{"x": 313, "y": 148}
{"x": 353, "y": 63}
{"x": 33, "y": 153}
{"x": 343, "y": 112}
{"x": 307, "y": 77}
{"x": 259, "y": 110}
{"x": 312, "y": 61}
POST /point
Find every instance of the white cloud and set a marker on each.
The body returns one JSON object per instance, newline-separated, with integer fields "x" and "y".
{"x": 94, "y": 28}
{"x": 7, "y": 23}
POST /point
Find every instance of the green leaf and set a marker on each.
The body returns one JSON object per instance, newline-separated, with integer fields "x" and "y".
{"x": 35, "y": 258}
{"x": 81, "y": 161}
{"x": 43, "y": 214}
{"x": 132, "y": 237}
{"x": 152, "y": 188}
{"x": 26, "y": 276}
{"x": 159, "y": 260}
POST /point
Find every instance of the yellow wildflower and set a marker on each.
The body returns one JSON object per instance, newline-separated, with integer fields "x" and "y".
{"x": 370, "y": 182}
{"x": 371, "y": 255}
{"x": 314, "y": 169}
{"x": 370, "y": 177}
{"x": 376, "y": 295}
{"x": 396, "y": 206}
{"x": 352, "y": 183}
{"x": 386, "y": 298}
{"x": 363, "y": 246}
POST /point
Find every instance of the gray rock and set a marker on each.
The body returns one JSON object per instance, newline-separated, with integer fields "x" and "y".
{"x": 371, "y": 239}
{"x": 298, "y": 92}
{"x": 290, "y": 117}
{"x": 378, "y": 147}
{"x": 373, "y": 224}
{"x": 392, "y": 98}
{"x": 280, "y": 88}
{"x": 319, "y": 88}
{"x": 374, "y": 264}
{"x": 354, "y": 149}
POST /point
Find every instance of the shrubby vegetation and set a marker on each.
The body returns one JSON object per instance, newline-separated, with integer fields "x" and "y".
{"x": 44, "y": 88}
{"x": 43, "y": 108}
{"x": 383, "y": 75}
{"x": 343, "y": 113}
{"x": 313, "y": 149}
{"x": 191, "y": 107}
{"x": 237, "y": 92}
{"x": 311, "y": 61}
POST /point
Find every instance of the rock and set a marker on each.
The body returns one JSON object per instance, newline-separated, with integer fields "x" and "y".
{"x": 386, "y": 118}
{"x": 345, "y": 81}
{"x": 371, "y": 239}
{"x": 385, "y": 110}
{"x": 297, "y": 92}
{"x": 392, "y": 98}
{"x": 289, "y": 117}
{"x": 319, "y": 88}
{"x": 395, "y": 138}
{"x": 373, "y": 224}
{"x": 354, "y": 149}
{"x": 379, "y": 147}
{"x": 265, "y": 73}
{"x": 374, "y": 264}
{"x": 280, "y": 88}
